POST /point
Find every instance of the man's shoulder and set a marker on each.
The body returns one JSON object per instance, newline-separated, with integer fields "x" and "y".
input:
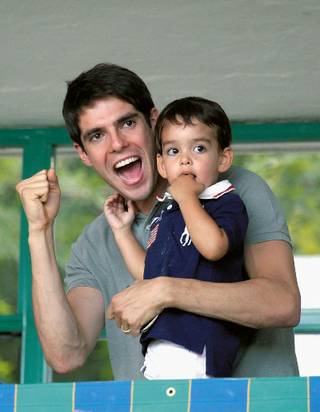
{"x": 94, "y": 232}
{"x": 240, "y": 176}
{"x": 99, "y": 224}
{"x": 99, "y": 233}
{"x": 249, "y": 185}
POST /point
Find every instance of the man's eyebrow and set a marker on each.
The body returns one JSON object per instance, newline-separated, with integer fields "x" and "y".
{"x": 126, "y": 117}
{"x": 121, "y": 120}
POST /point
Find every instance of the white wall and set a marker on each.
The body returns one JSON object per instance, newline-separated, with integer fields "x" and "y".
{"x": 307, "y": 346}
{"x": 259, "y": 58}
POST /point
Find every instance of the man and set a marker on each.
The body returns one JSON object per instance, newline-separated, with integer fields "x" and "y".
{"x": 109, "y": 114}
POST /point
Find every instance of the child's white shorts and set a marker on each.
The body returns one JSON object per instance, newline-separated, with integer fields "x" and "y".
{"x": 166, "y": 360}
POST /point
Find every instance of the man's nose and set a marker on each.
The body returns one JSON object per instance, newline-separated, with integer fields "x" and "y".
{"x": 117, "y": 142}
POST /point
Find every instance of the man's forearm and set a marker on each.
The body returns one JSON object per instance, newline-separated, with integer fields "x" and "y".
{"x": 57, "y": 327}
{"x": 270, "y": 298}
{"x": 249, "y": 303}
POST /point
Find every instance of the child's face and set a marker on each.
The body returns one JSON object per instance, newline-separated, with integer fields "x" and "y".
{"x": 192, "y": 149}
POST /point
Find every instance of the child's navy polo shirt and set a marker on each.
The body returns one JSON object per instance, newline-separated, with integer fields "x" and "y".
{"x": 171, "y": 253}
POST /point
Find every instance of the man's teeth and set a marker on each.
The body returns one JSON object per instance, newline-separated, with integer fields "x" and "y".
{"x": 126, "y": 162}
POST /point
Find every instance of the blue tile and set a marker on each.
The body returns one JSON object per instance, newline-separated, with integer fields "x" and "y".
{"x": 102, "y": 397}
{"x": 314, "y": 394}
{"x": 223, "y": 395}
{"x": 6, "y": 398}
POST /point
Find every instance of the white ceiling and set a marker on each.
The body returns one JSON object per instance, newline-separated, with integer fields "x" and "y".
{"x": 259, "y": 58}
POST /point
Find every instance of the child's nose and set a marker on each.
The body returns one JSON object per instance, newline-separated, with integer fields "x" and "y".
{"x": 185, "y": 160}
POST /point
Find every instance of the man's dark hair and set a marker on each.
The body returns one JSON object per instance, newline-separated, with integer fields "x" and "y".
{"x": 182, "y": 111}
{"x": 103, "y": 80}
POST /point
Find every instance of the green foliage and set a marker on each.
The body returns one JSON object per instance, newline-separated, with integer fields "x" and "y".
{"x": 6, "y": 369}
{"x": 8, "y": 285}
{"x": 10, "y": 169}
{"x": 5, "y": 308}
{"x": 295, "y": 179}
{"x": 9, "y": 358}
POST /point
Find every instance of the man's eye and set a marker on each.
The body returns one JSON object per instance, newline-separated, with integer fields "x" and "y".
{"x": 129, "y": 123}
{"x": 95, "y": 137}
{"x": 172, "y": 151}
{"x": 199, "y": 148}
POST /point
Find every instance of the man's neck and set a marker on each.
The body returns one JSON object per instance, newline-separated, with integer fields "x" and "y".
{"x": 145, "y": 206}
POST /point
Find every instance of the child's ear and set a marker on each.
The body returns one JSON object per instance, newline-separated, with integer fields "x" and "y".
{"x": 160, "y": 166}
{"x": 82, "y": 154}
{"x": 225, "y": 159}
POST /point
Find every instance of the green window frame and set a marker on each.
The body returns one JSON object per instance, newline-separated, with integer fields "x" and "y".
{"x": 38, "y": 146}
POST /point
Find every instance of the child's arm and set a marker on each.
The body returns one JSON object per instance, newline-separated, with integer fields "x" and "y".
{"x": 120, "y": 221}
{"x": 209, "y": 239}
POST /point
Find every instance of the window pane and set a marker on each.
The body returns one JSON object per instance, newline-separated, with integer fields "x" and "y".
{"x": 295, "y": 179}
{"x": 307, "y": 350}
{"x": 9, "y": 358}
{"x": 307, "y": 268}
{"x": 10, "y": 173}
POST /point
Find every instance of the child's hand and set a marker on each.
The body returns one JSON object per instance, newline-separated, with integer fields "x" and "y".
{"x": 119, "y": 215}
{"x": 184, "y": 187}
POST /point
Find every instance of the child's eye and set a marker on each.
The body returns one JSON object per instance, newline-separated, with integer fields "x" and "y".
{"x": 172, "y": 151}
{"x": 199, "y": 148}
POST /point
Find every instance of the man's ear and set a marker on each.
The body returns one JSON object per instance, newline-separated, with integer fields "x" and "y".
{"x": 82, "y": 154}
{"x": 160, "y": 166}
{"x": 154, "y": 114}
{"x": 225, "y": 159}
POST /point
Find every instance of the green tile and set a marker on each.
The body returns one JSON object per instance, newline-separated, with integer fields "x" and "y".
{"x": 278, "y": 395}
{"x": 50, "y": 397}
{"x": 160, "y": 396}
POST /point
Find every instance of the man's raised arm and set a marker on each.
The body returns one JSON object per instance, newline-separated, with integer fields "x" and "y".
{"x": 68, "y": 327}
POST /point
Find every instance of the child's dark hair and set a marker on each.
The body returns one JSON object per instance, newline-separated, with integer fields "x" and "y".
{"x": 102, "y": 81}
{"x": 182, "y": 111}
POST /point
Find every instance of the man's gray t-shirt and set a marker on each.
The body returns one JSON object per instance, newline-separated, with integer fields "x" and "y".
{"x": 96, "y": 262}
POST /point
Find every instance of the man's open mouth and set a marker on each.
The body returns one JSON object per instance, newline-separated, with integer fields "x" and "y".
{"x": 129, "y": 169}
